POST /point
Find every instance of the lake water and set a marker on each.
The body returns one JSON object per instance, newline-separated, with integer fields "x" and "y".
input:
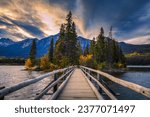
{"x": 139, "y": 77}
{"x": 10, "y": 75}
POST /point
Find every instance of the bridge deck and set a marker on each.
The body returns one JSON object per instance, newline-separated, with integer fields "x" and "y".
{"x": 77, "y": 88}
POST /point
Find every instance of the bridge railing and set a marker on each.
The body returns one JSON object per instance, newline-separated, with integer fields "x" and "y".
{"x": 8, "y": 90}
{"x": 56, "y": 91}
{"x": 135, "y": 87}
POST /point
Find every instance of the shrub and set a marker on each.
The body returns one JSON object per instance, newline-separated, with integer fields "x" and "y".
{"x": 87, "y": 60}
{"x": 119, "y": 65}
{"x": 44, "y": 62}
{"x": 28, "y": 63}
{"x": 133, "y": 54}
{"x": 101, "y": 66}
{"x": 53, "y": 67}
{"x": 64, "y": 62}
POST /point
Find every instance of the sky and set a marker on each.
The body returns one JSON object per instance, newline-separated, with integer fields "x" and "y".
{"x": 130, "y": 19}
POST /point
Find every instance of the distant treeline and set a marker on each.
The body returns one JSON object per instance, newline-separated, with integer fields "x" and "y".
{"x": 12, "y": 61}
{"x": 138, "y": 58}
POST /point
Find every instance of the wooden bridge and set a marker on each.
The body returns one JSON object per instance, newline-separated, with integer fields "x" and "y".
{"x": 74, "y": 83}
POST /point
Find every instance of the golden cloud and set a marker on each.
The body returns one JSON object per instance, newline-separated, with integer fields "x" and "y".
{"x": 41, "y": 14}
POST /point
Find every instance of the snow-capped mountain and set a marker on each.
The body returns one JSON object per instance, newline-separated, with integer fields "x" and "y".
{"x": 21, "y": 49}
{"x": 11, "y": 49}
{"x": 6, "y": 42}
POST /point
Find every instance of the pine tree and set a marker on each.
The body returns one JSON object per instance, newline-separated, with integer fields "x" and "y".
{"x": 115, "y": 51}
{"x": 86, "y": 51}
{"x": 122, "y": 57}
{"x": 79, "y": 51}
{"x": 92, "y": 47}
{"x": 60, "y": 49}
{"x": 51, "y": 51}
{"x": 32, "y": 54}
{"x": 100, "y": 47}
{"x": 73, "y": 45}
{"x": 66, "y": 46}
{"x": 71, "y": 40}
{"x": 79, "y": 48}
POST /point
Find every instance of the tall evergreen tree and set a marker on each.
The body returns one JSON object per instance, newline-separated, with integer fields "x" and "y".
{"x": 79, "y": 51}
{"x": 51, "y": 51}
{"x": 66, "y": 46}
{"x": 32, "y": 54}
{"x": 86, "y": 51}
{"x": 122, "y": 57}
{"x": 115, "y": 51}
{"x": 100, "y": 47}
{"x": 92, "y": 47}
{"x": 73, "y": 45}
{"x": 60, "y": 49}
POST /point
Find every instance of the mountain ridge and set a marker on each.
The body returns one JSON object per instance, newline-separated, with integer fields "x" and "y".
{"x": 20, "y": 49}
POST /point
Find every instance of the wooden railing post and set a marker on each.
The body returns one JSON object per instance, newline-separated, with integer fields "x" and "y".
{"x": 90, "y": 74}
{"x": 85, "y": 71}
{"x": 98, "y": 78}
{"x": 55, "y": 87}
{"x": 2, "y": 98}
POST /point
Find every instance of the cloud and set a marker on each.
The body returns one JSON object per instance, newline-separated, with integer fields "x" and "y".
{"x": 30, "y": 19}
{"x": 38, "y": 18}
{"x": 139, "y": 40}
{"x": 21, "y": 19}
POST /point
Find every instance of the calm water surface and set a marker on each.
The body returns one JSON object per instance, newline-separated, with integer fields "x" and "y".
{"x": 10, "y": 75}
{"x": 139, "y": 77}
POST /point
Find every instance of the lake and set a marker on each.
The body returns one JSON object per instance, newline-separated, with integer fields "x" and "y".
{"x": 10, "y": 75}
{"x": 139, "y": 77}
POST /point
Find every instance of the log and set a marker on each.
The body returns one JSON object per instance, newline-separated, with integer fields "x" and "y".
{"x": 135, "y": 87}
{"x": 2, "y": 98}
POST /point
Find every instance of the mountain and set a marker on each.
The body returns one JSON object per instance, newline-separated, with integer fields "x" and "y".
{"x": 129, "y": 48}
{"x": 6, "y": 42}
{"x": 11, "y": 49}
{"x": 84, "y": 42}
{"x": 16, "y": 50}
{"x": 21, "y": 49}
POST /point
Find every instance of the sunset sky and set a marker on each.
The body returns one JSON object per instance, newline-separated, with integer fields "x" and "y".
{"x": 20, "y": 19}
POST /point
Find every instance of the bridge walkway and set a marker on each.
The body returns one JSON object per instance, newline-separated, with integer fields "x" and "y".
{"x": 79, "y": 88}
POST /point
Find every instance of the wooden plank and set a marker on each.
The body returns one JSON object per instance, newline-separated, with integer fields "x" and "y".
{"x": 77, "y": 88}
{"x": 135, "y": 87}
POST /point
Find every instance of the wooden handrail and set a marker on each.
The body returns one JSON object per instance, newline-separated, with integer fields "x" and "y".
{"x": 110, "y": 95}
{"x": 135, "y": 87}
{"x": 61, "y": 87}
{"x": 52, "y": 85}
{"x": 23, "y": 84}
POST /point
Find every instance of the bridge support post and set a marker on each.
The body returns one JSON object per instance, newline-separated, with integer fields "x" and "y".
{"x": 55, "y": 87}
{"x": 90, "y": 74}
{"x": 2, "y": 98}
{"x": 98, "y": 78}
